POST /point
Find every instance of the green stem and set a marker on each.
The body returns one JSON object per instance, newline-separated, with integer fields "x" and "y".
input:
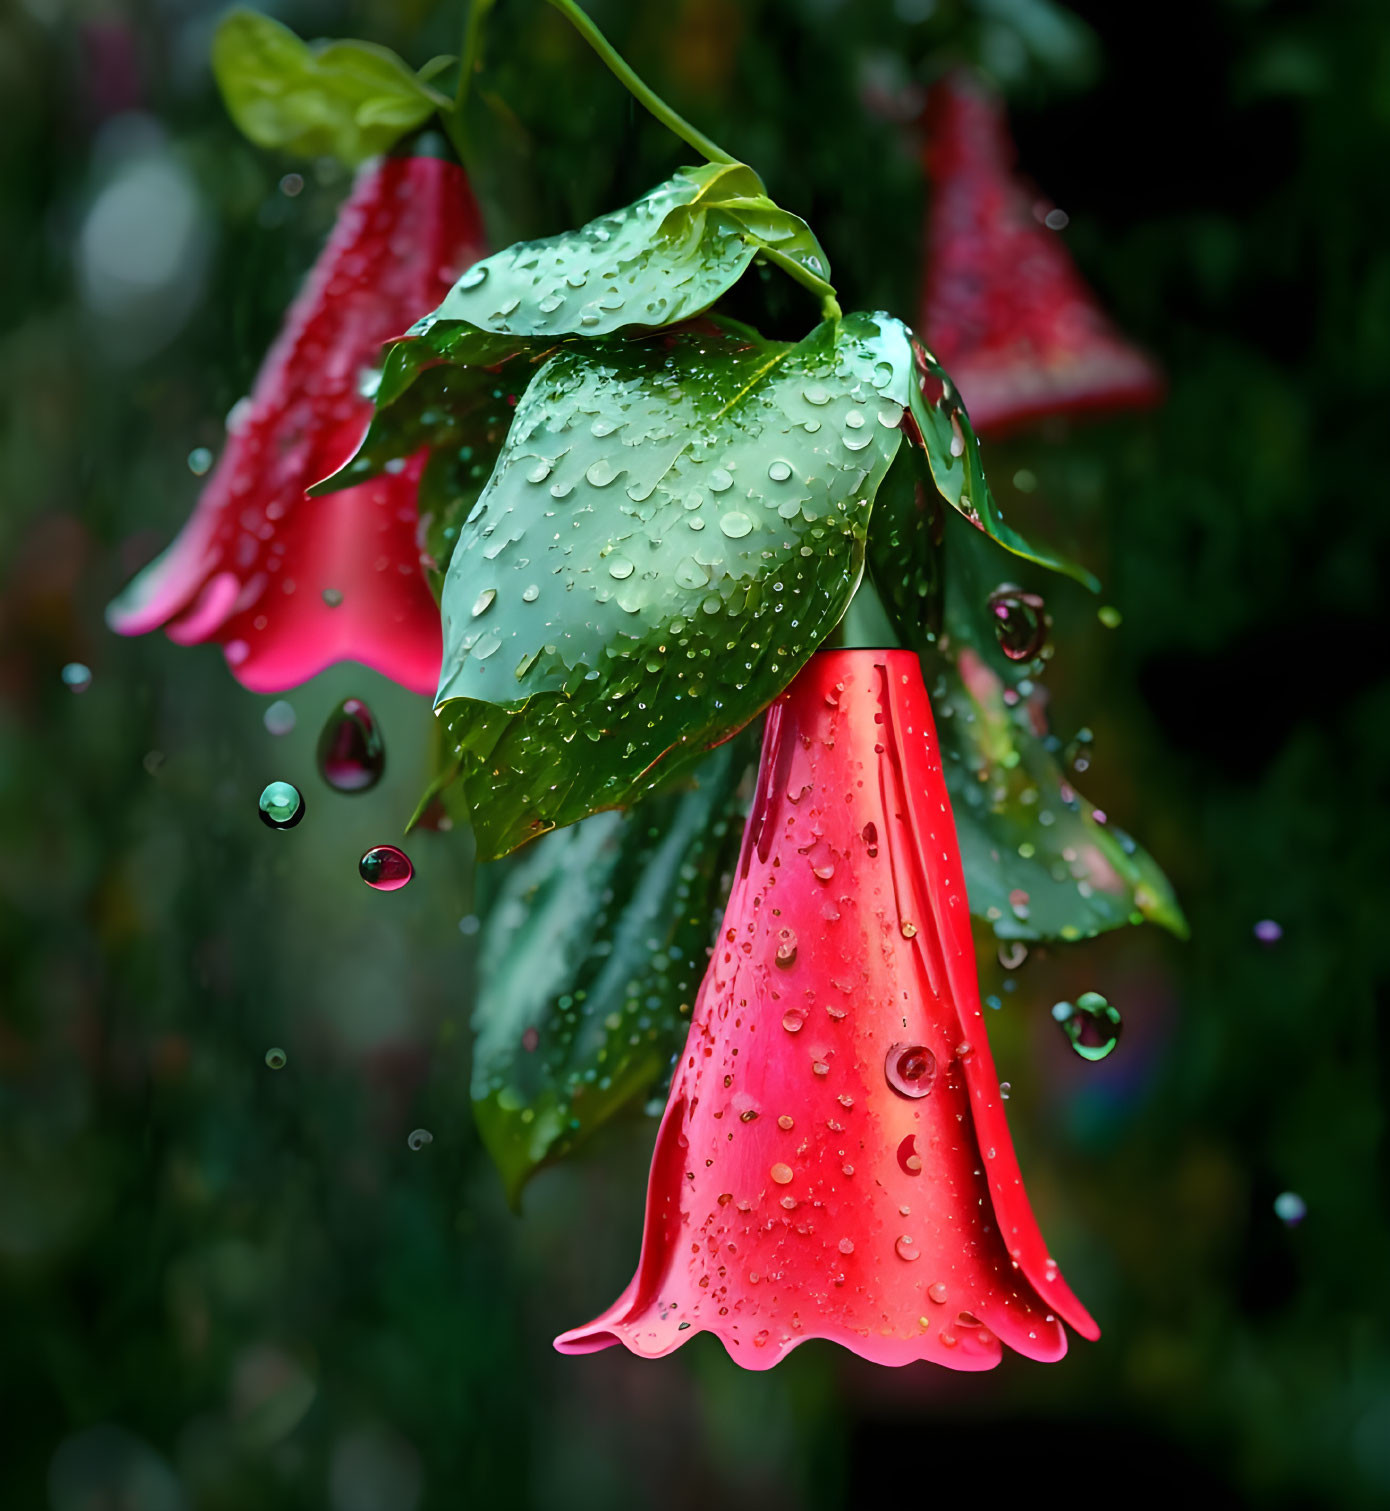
{"x": 455, "y": 124}
{"x": 825, "y": 292}
{"x": 653, "y": 102}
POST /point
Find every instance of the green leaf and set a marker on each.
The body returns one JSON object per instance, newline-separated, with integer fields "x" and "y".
{"x": 905, "y": 550}
{"x": 953, "y": 454}
{"x": 349, "y": 100}
{"x": 662, "y": 260}
{"x": 591, "y": 957}
{"x": 672, "y": 528}
{"x": 1038, "y": 863}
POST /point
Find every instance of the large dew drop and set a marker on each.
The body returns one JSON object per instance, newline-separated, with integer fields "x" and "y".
{"x": 910, "y": 1069}
{"x": 386, "y": 868}
{"x": 1091, "y": 1024}
{"x": 281, "y": 805}
{"x": 1020, "y": 622}
{"x": 351, "y": 753}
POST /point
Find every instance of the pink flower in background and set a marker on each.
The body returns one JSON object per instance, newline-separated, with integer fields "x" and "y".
{"x": 287, "y": 584}
{"x": 1004, "y": 309}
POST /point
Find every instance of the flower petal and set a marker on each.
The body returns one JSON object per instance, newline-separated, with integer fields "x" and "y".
{"x": 290, "y": 584}
{"x": 834, "y": 1160}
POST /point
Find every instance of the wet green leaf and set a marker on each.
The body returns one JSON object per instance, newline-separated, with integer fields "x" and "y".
{"x": 348, "y": 100}
{"x": 953, "y": 454}
{"x": 1038, "y": 862}
{"x": 662, "y": 260}
{"x": 905, "y": 550}
{"x": 672, "y": 528}
{"x": 591, "y": 957}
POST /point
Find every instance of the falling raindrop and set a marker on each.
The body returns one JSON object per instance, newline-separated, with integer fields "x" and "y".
{"x": 77, "y": 677}
{"x": 910, "y": 1069}
{"x": 351, "y": 751}
{"x": 281, "y": 805}
{"x": 1268, "y": 932}
{"x": 1020, "y": 621}
{"x": 199, "y": 460}
{"x": 419, "y": 1137}
{"x": 386, "y": 868}
{"x": 1092, "y": 1025}
{"x": 279, "y": 717}
{"x": 1290, "y": 1208}
{"x": 276, "y": 1058}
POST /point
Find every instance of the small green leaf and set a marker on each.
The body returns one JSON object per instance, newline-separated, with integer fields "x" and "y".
{"x": 1038, "y": 862}
{"x": 591, "y": 957}
{"x": 662, "y": 260}
{"x": 349, "y": 100}
{"x": 953, "y": 453}
{"x": 672, "y": 528}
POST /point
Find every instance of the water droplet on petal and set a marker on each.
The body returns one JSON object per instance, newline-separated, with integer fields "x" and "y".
{"x": 281, "y": 805}
{"x": 910, "y": 1069}
{"x": 386, "y": 868}
{"x": 351, "y": 751}
{"x": 937, "y": 1293}
{"x": 906, "y": 1248}
{"x": 782, "y": 1174}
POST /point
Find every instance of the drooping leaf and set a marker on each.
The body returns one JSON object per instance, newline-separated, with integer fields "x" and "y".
{"x": 349, "y": 100}
{"x": 905, "y": 550}
{"x": 591, "y": 957}
{"x": 953, "y": 454}
{"x": 662, "y": 260}
{"x": 1038, "y": 862}
{"x": 672, "y": 528}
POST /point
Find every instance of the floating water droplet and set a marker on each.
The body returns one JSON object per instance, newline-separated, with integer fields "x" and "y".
{"x": 1268, "y": 932}
{"x": 386, "y": 868}
{"x": 910, "y": 1069}
{"x": 469, "y": 924}
{"x": 351, "y": 751}
{"x": 279, "y": 718}
{"x": 1004, "y": 1089}
{"x": 77, "y": 676}
{"x": 199, "y": 460}
{"x": 281, "y": 805}
{"x": 735, "y": 525}
{"x": 1091, "y": 1024}
{"x": 782, "y": 1174}
{"x": 276, "y": 1058}
{"x": 419, "y": 1137}
{"x": 1110, "y": 616}
{"x": 779, "y": 472}
{"x": 1290, "y": 1208}
{"x": 332, "y": 597}
{"x": 1020, "y": 621}
{"x": 484, "y": 601}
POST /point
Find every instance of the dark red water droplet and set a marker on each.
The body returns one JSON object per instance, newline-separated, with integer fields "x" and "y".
{"x": 910, "y": 1069}
{"x": 386, "y": 868}
{"x": 1020, "y": 622}
{"x": 351, "y": 753}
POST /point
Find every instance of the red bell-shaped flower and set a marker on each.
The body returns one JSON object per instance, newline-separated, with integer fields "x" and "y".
{"x": 290, "y": 584}
{"x": 834, "y": 1160}
{"x": 1003, "y": 308}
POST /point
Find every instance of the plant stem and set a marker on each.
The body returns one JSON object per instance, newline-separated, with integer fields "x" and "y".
{"x": 469, "y": 52}
{"x": 653, "y": 102}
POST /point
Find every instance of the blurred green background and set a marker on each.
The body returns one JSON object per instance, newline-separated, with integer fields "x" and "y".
{"x": 228, "y": 1286}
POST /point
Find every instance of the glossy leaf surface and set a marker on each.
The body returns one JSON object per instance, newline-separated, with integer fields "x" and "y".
{"x": 348, "y": 100}
{"x": 656, "y": 262}
{"x": 953, "y": 453}
{"x": 671, "y": 529}
{"x": 591, "y": 958}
